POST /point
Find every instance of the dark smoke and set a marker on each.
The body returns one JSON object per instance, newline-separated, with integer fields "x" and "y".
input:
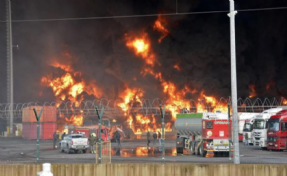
{"x": 199, "y": 44}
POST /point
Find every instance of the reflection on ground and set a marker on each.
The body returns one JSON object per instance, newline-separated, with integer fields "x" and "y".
{"x": 142, "y": 151}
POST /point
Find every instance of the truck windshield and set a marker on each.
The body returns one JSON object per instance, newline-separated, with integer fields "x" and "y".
{"x": 273, "y": 125}
{"x": 259, "y": 124}
{"x": 247, "y": 127}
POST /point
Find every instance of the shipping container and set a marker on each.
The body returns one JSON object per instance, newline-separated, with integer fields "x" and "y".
{"x": 49, "y": 114}
{"x": 30, "y": 131}
{"x": 48, "y": 130}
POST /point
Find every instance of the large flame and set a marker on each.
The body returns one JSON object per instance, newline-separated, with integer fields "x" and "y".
{"x": 69, "y": 87}
{"x": 141, "y": 46}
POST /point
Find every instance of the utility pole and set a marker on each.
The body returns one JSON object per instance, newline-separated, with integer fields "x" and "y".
{"x": 9, "y": 63}
{"x": 231, "y": 15}
{"x": 38, "y": 116}
{"x": 100, "y": 132}
{"x": 162, "y": 113}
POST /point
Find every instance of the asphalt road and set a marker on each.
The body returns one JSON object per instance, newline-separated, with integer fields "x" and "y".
{"x": 15, "y": 150}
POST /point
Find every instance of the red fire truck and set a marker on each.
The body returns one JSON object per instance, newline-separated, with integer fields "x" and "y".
{"x": 92, "y": 129}
{"x": 277, "y": 131}
{"x": 202, "y": 132}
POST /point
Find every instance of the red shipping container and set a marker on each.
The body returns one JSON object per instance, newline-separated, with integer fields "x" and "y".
{"x": 49, "y": 114}
{"x": 48, "y": 130}
{"x": 30, "y": 131}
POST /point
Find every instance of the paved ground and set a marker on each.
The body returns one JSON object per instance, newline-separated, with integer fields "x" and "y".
{"x": 13, "y": 150}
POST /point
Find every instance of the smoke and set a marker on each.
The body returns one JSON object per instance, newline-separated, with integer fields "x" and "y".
{"x": 198, "y": 44}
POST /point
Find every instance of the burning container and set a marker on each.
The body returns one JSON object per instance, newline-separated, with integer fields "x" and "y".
{"x": 49, "y": 114}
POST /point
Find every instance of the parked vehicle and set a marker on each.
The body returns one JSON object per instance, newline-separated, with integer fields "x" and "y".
{"x": 247, "y": 130}
{"x": 277, "y": 131}
{"x": 74, "y": 143}
{"x": 199, "y": 132}
{"x": 242, "y": 117}
{"x": 259, "y": 132}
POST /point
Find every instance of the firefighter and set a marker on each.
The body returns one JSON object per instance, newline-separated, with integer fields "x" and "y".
{"x": 148, "y": 138}
{"x": 63, "y": 135}
{"x": 92, "y": 141}
{"x": 246, "y": 139}
{"x": 154, "y": 137}
{"x": 159, "y": 138}
{"x": 118, "y": 138}
{"x": 55, "y": 139}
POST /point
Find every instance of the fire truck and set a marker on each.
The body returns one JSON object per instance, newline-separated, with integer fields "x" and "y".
{"x": 259, "y": 133}
{"x": 198, "y": 133}
{"x": 277, "y": 131}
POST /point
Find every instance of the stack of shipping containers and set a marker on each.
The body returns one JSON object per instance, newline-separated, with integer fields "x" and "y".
{"x": 48, "y": 123}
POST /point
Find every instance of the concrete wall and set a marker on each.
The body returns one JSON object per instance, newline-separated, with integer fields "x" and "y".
{"x": 149, "y": 169}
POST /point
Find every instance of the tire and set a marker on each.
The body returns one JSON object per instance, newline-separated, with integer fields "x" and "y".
{"x": 264, "y": 148}
{"x": 196, "y": 150}
{"x": 61, "y": 150}
{"x": 192, "y": 148}
{"x": 201, "y": 151}
{"x": 179, "y": 150}
{"x": 84, "y": 151}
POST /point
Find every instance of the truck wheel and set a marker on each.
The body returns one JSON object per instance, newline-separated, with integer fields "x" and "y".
{"x": 179, "y": 150}
{"x": 196, "y": 150}
{"x": 192, "y": 148}
{"x": 201, "y": 150}
{"x": 84, "y": 151}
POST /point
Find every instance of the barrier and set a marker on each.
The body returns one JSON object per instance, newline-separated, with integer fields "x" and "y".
{"x": 148, "y": 169}
{"x": 106, "y": 152}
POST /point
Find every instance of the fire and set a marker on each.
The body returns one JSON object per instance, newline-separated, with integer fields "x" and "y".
{"x": 284, "y": 102}
{"x": 76, "y": 120}
{"x": 141, "y": 46}
{"x": 176, "y": 66}
{"x": 158, "y": 26}
{"x": 253, "y": 91}
{"x": 69, "y": 87}
{"x": 128, "y": 96}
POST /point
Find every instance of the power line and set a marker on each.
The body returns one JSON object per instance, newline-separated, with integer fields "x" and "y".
{"x": 146, "y": 15}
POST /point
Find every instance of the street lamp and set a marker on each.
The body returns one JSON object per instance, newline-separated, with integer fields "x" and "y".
{"x": 234, "y": 83}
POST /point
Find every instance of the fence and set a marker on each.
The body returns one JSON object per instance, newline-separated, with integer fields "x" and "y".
{"x": 147, "y": 169}
{"x": 106, "y": 155}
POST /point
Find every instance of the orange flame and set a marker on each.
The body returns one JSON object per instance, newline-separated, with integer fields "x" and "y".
{"x": 176, "y": 66}
{"x": 141, "y": 46}
{"x": 158, "y": 26}
{"x": 253, "y": 91}
{"x": 69, "y": 86}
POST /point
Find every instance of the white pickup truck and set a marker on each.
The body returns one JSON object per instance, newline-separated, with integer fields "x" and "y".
{"x": 74, "y": 143}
